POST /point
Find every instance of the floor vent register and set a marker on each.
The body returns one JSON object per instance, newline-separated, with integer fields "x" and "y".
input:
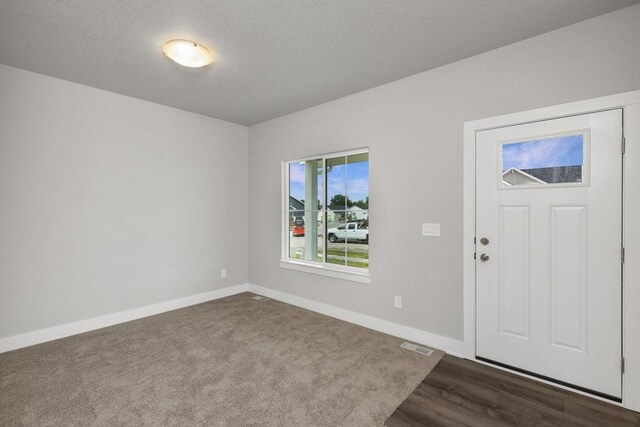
{"x": 418, "y": 349}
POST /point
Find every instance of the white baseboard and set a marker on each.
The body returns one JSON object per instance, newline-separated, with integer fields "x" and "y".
{"x": 451, "y": 346}
{"x": 73, "y": 328}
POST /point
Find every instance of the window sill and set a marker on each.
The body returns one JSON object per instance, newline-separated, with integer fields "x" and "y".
{"x": 323, "y": 270}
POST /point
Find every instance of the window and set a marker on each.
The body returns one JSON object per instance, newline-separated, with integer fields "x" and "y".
{"x": 326, "y": 225}
{"x": 546, "y": 161}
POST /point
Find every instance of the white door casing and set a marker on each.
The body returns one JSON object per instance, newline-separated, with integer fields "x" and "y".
{"x": 548, "y": 299}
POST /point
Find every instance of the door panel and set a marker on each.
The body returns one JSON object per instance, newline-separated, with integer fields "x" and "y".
{"x": 514, "y": 270}
{"x": 549, "y": 201}
{"x": 568, "y": 277}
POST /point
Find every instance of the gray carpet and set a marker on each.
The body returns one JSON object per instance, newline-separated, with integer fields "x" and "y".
{"x": 234, "y": 361}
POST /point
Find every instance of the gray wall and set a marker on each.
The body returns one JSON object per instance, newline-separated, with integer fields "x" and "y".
{"x": 414, "y": 130}
{"x": 109, "y": 203}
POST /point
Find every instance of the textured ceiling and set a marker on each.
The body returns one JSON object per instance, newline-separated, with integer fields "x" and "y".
{"x": 274, "y": 56}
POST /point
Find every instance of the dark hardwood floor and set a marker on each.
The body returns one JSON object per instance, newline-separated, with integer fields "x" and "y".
{"x": 461, "y": 392}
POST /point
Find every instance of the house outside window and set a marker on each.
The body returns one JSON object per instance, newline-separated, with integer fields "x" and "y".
{"x": 326, "y": 222}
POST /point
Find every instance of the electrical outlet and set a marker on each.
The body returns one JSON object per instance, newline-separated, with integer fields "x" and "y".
{"x": 397, "y": 302}
{"x": 223, "y": 273}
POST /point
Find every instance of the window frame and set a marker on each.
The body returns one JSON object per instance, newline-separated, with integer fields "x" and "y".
{"x": 356, "y": 274}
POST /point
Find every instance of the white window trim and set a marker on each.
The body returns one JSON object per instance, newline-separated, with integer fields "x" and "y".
{"x": 345, "y": 273}
{"x": 354, "y": 274}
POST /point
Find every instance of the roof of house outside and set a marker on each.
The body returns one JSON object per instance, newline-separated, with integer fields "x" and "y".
{"x": 295, "y": 203}
{"x": 557, "y": 174}
{"x": 515, "y": 176}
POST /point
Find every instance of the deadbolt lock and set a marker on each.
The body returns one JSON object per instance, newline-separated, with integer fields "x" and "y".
{"x": 484, "y": 241}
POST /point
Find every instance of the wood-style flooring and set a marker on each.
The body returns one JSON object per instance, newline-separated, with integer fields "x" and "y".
{"x": 462, "y": 392}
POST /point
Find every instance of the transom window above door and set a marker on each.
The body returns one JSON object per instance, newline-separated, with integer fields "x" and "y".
{"x": 544, "y": 161}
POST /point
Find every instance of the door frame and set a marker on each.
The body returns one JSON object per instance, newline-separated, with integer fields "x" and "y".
{"x": 630, "y": 104}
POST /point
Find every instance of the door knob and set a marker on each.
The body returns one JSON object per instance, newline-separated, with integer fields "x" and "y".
{"x": 484, "y": 257}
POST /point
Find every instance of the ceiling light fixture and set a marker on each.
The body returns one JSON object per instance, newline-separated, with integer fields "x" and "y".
{"x": 188, "y": 53}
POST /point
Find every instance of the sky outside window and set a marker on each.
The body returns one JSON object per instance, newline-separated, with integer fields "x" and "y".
{"x": 297, "y": 180}
{"x": 543, "y": 153}
{"x": 356, "y": 174}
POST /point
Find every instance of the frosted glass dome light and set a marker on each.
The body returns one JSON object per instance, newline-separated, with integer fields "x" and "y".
{"x": 188, "y": 53}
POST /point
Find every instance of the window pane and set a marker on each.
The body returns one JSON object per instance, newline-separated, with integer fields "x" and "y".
{"x": 337, "y": 183}
{"x": 306, "y": 240}
{"x": 348, "y": 201}
{"x": 301, "y": 174}
{"x": 545, "y": 161}
{"x": 358, "y": 243}
{"x": 348, "y": 243}
{"x": 305, "y": 219}
{"x": 358, "y": 186}
{"x": 336, "y": 235}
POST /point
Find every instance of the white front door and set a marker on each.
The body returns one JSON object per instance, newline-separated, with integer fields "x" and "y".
{"x": 549, "y": 230}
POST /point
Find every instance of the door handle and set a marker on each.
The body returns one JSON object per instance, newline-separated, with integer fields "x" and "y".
{"x": 484, "y": 257}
